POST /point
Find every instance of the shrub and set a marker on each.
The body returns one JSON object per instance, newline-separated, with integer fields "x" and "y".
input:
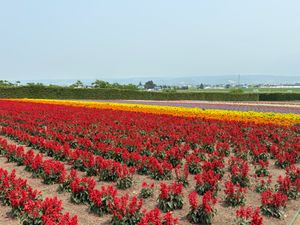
{"x": 262, "y": 185}
{"x": 194, "y": 164}
{"x": 53, "y": 172}
{"x": 161, "y": 171}
{"x": 207, "y": 181}
{"x": 293, "y": 173}
{"x": 223, "y": 149}
{"x": 239, "y": 174}
{"x": 101, "y": 199}
{"x": 15, "y": 154}
{"x": 18, "y": 196}
{"x": 147, "y": 190}
{"x": 80, "y": 189}
{"x": 273, "y": 204}
{"x": 182, "y": 175}
{"x": 286, "y": 157}
{"x": 248, "y": 216}
{"x": 214, "y": 163}
{"x": 287, "y": 187}
{"x": 174, "y": 156}
{"x": 108, "y": 93}
{"x": 65, "y": 184}
{"x": 235, "y": 195}
{"x": 42, "y": 212}
{"x": 154, "y": 217}
{"x": 201, "y": 213}
{"x": 170, "y": 197}
{"x": 107, "y": 170}
{"x": 279, "y": 96}
{"x": 259, "y": 154}
{"x": 125, "y": 210}
{"x": 125, "y": 177}
{"x": 261, "y": 168}
{"x": 35, "y": 166}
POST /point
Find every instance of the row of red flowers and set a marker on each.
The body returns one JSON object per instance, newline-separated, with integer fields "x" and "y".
{"x": 105, "y": 132}
{"x": 106, "y": 201}
{"x": 124, "y": 209}
{"x": 27, "y": 204}
{"x": 113, "y": 145}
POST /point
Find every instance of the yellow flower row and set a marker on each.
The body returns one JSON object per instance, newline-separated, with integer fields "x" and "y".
{"x": 250, "y": 116}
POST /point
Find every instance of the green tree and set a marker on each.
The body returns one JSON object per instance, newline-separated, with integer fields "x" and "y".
{"x": 32, "y": 84}
{"x": 5, "y": 83}
{"x": 100, "y": 84}
{"x": 131, "y": 87}
{"x": 18, "y": 83}
{"x": 149, "y": 85}
{"x": 117, "y": 86}
{"x": 77, "y": 84}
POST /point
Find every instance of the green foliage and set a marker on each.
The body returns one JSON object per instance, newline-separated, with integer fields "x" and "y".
{"x": 171, "y": 203}
{"x": 81, "y": 197}
{"x": 261, "y": 172}
{"x": 35, "y": 85}
{"x": 124, "y": 183}
{"x": 77, "y": 84}
{"x": 157, "y": 175}
{"x": 270, "y": 210}
{"x": 5, "y": 83}
{"x": 194, "y": 168}
{"x": 279, "y": 96}
{"x": 50, "y": 178}
{"x": 45, "y": 92}
{"x": 236, "y": 91}
{"x": 126, "y": 220}
{"x": 239, "y": 179}
{"x": 146, "y": 192}
{"x": 149, "y": 85}
{"x": 109, "y": 176}
{"x": 36, "y": 90}
{"x": 100, "y": 84}
{"x": 105, "y": 84}
{"x": 202, "y": 188}
{"x": 200, "y": 216}
{"x": 169, "y": 90}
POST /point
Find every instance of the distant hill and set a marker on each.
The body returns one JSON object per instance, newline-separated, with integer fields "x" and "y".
{"x": 187, "y": 80}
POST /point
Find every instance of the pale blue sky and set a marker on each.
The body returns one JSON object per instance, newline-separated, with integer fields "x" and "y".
{"x": 135, "y": 38}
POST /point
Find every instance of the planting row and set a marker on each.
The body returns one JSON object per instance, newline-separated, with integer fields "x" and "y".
{"x": 27, "y": 204}
{"x": 113, "y": 134}
{"x": 114, "y": 145}
{"x": 276, "y": 107}
{"x": 247, "y": 116}
{"x": 124, "y": 210}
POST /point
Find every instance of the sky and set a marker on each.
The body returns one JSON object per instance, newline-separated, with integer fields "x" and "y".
{"x": 61, "y": 39}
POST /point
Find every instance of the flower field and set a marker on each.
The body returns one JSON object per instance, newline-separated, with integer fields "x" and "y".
{"x": 77, "y": 162}
{"x": 277, "y": 107}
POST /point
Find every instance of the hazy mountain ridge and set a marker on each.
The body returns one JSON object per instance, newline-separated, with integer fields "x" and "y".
{"x": 189, "y": 80}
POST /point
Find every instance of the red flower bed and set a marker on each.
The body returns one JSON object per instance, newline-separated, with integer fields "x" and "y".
{"x": 27, "y": 205}
{"x": 115, "y": 146}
